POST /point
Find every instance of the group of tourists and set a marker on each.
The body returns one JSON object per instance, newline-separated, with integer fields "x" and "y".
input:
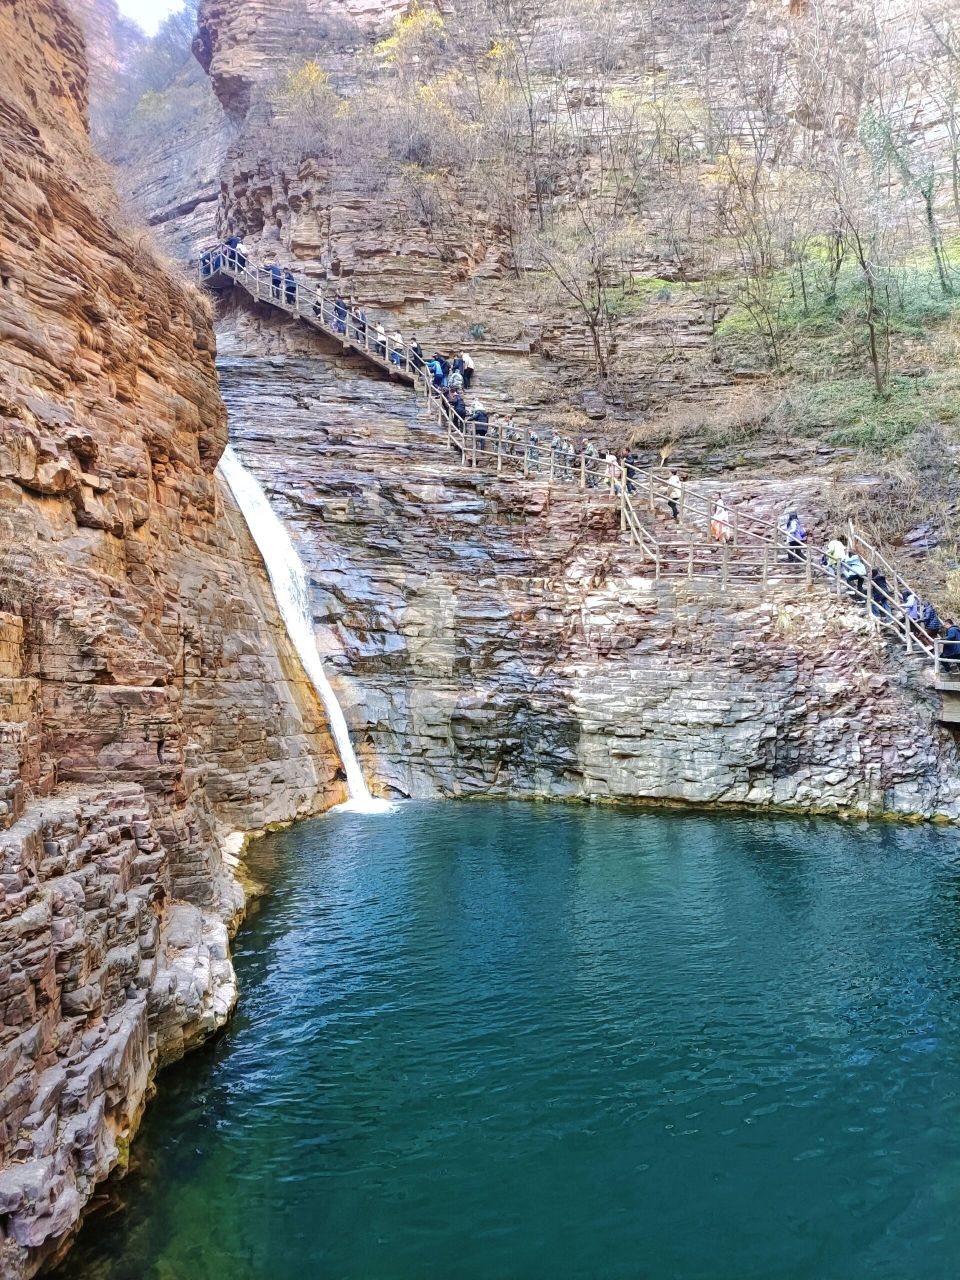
{"x": 871, "y": 587}
{"x": 570, "y": 461}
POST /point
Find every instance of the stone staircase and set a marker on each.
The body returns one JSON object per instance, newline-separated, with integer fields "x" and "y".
{"x": 754, "y": 556}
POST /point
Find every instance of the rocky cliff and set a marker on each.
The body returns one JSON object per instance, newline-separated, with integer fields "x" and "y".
{"x": 494, "y": 639}
{"x": 150, "y": 705}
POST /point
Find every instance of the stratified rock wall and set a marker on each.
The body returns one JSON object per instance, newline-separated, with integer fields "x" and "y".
{"x": 493, "y": 640}
{"x": 150, "y": 703}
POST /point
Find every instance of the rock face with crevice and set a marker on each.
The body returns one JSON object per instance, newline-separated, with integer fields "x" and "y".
{"x": 150, "y": 703}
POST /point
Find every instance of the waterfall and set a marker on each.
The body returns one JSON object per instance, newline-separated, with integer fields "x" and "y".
{"x": 289, "y": 581}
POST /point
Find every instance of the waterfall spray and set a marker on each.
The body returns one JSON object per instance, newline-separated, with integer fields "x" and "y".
{"x": 289, "y": 581}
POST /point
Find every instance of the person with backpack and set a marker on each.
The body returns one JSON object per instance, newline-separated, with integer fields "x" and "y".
{"x": 796, "y": 536}
{"x": 468, "y": 370}
{"x": 275, "y": 276}
{"x": 396, "y": 348}
{"x": 854, "y": 572}
{"x": 416, "y": 355}
{"x": 290, "y": 287}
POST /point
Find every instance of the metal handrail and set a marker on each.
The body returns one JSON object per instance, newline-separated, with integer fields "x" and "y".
{"x": 532, "y": 458}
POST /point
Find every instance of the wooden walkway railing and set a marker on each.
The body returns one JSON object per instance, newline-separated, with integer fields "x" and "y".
{"x": 756, "y": 552}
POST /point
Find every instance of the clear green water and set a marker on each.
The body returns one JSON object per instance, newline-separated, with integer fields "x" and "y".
{"x": 524, "y": 1041}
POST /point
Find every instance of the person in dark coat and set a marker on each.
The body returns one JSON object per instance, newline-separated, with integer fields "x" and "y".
{"x": 290, "y": 287}
{"x": 950, "y": 651}
{"x": 481, "y": 424}
{"x": 275, "y": 274}
{"x": 879, "y": 594}
{"x": 231, "y": 254}
{"x": 459, "y": 408}
{"x": 416, "y": 355}
{"x": 340, "y": 311}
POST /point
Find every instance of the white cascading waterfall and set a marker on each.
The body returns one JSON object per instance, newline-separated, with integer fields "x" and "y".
{"x": 289, "y": 581}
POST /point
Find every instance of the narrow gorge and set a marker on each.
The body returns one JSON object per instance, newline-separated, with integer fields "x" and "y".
{"x": 251, "y": 574}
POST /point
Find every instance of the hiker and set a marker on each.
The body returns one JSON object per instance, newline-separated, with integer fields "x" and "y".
{"x": 611, "y": 471}
{"x": 929, "y": 620}
{"x": 674, "y": 494}
{"x": 950, "y": 651}
{"x": 511, "y": 436}
{"x": 556, "y": 447}
{"x": 231, "y": 254}
{"x": 380, "y": 340}
{"x": 911, "y": 605}
{"x": 481, "y": 421}
{"x": 318, "y": 303}
{"x": 569, "y": 460}
{"x": 360, "y": 320}
{"x": 206, "y": 263}
{"x": 720, "y": 526}
{"x": 459, "y": 406}
{"x": 396, "y": 342}
{"x": 455, "y": 380}
{"x": 854, "y": 572}
{"x": 468, "y": 370}
{"x": 796, "y": 536}
{"x": 340, "y": 312}
{"x": 834, "y": 555}
{"x": 631, "y": 461}
{"x": 436, "y": 372}
{"x": 416, "y": 355}
{"x": 591, "y": 463}
{"x": 241, "y": 252}
{"x": 880, "y": 595}
{"x": 275, "y": 274}
{"x": 290, "y": 287}
{"x": 533, "y": 451}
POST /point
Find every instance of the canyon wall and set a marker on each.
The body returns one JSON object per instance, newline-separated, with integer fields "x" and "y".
{"x": 150, "y": 704}
{"x": 492, "y": 641}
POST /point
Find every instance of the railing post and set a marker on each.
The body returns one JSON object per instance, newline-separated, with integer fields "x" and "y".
{"x": 936, "y": 658}
{"x": 809, "y": 566}
{"x": 583, "y": 471}
{"x": 908, "y": 636}
{"x": 690, "y": 561}
{"x": 473, "y": 462}
{"x": 499, "y": 449}
{"x": 526, "y": 453}
{"x": 680, "y": 505}
{"x": 726, "y": 565}
{"x": 623, "y": 497}
{"x": 766, "y": 568}
{"x": 650, "y": 485}
{"x": 550, "y": 472}
{"x": 736, "y": 527}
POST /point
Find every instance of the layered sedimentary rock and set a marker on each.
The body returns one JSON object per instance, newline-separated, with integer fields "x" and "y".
{"x": 150, "y": 704}
{"x": 492, "y": 639}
